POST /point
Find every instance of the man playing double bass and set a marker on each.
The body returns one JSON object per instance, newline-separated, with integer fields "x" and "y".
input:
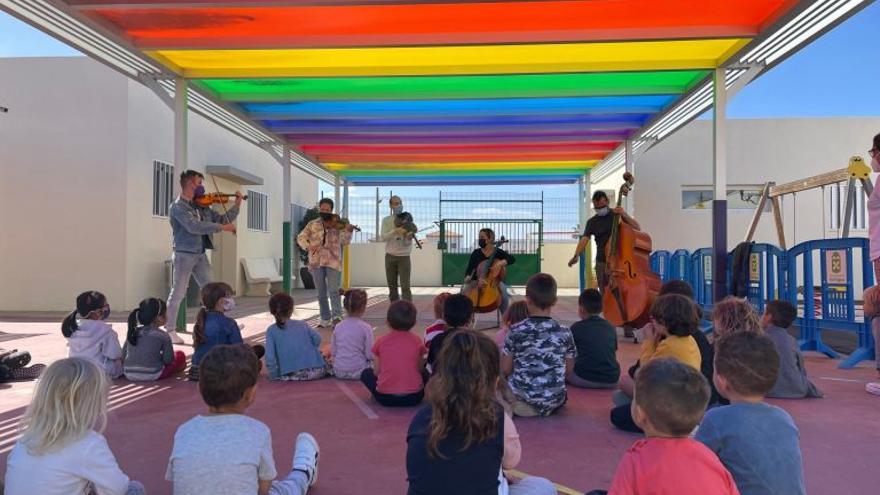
{"x": 599, "y": 226}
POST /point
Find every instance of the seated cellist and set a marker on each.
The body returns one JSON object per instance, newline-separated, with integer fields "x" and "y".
{"x": 483, "y": 253}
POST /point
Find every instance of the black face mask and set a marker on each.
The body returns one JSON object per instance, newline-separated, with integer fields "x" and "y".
{"x": 482, "y": 243}
{"x": 326, "y": 216}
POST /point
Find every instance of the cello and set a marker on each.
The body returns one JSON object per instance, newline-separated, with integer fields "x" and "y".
{"x": 632, "y": 286}
{"x": 485, "y": 292}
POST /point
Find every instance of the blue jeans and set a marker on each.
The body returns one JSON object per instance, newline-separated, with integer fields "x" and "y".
{"x": 185, "y": 264}
{"x": 327, "y": 283}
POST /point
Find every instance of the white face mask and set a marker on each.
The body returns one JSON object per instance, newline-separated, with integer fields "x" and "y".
{"x": 875, "y": 163}
{"x": 602, "y": 211}
{"x": 228, "y": 304}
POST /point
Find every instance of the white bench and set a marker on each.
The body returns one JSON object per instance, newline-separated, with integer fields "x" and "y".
{"x": 260, "y": 274}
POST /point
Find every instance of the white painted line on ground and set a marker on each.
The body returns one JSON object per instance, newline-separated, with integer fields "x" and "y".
{"x": 368, "y": 412}
{"x": 842, "y": 379}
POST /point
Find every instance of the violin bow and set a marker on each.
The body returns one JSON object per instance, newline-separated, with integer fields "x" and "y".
{"x": 225, "y": 211}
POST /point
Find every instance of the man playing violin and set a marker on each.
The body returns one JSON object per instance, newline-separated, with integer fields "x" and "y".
{"x": 599, "y": 227}
{"x": 398, "y": 247}
{"x": 486, "y": 243}
{"x": 323, "y": 238}
{"x": 192, "y": 227}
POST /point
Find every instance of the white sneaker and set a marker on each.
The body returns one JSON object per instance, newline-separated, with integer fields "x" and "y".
{"x": 175, "y": 339}
{"x": 305, "y": 456}
{"x": 325, "y": 324}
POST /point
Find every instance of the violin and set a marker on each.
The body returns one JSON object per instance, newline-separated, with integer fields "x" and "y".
{"x": 208, "y": 199}
{"x": 339, "y": 223}
{"x": 485, "y": 293}
{"x": 404, "y": 221}
{"x": 632, "y": 286}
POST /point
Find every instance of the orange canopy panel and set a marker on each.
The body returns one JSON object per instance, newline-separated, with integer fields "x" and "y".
{"x": 164, "y": 25}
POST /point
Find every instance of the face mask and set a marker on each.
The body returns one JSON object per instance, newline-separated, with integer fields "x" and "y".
{"x": 482, "y": 243}
{"x": 875, "y": 163}
{"x": 326, "y": 216}
{"x": 199, "y": 192}
{"x": 397, "y": 210}
{"x": 228, "y": 304}
{"x": 106, "y": 313}
{"x": 602, "y": 211}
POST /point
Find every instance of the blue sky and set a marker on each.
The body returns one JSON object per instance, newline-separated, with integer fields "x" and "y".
{"x": 837, "y": 75}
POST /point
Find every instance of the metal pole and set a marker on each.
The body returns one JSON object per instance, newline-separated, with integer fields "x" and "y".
{"x": 336, "y": 184}
{"x": 378, "y": 223}
{"x": 181, "y": 122}
{"x": 630, "y": 165}
{"x": 346, "y": 272}
{"x": 582, "y": 214}
{"x": 286, "y": 200}
{"x": 719, "y": 176}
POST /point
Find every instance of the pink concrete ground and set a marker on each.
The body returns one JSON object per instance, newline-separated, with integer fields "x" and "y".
{"x": 363, "y": 444}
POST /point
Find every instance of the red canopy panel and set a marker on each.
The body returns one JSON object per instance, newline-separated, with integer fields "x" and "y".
{"x": 166, "y": 26}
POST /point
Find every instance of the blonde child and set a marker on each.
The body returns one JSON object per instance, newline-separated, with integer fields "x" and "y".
{"x": 292, "y": 346}
{"x": 516, "y": 312}
{"x": 439, "y": 326}
{"x": 60, "y": 451}
{"x": 733, "y": 314}
{"x": 148, "y": 353}
{"x": 352, "y": 339}
{"x": 89, "y": 336}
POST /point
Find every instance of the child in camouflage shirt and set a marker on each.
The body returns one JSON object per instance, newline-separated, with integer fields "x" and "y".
{"x": 538, "y": 353}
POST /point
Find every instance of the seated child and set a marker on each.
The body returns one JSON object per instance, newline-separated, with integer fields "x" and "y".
{"x": 621, "y": 415}
{"x": 673, "y": 321}
{"x": 461, "y": 440}
{"x": 225, "y": 451}
{"x": 757, "y": 442}
{"x": 439, "y": 325}
{"x": 213, "y": 327}
{"x": 538, "y": 353}
{"x": 792, "y": 382}
{"x": 458, "y": 312}
{"x": 92, "y": 337}
{"x": 734, "y": 314}
{"x": 14, "y": 366}
{"x": 292, "y": 346}
{"x": 516, "y": 312}
{"x": 670, "y": 398}
{"x": 352, "y": 339}
{"x": 148, "y": 354}
{"x": 59, "y": 452}
{"x": 872, "y": 311}
{"x": 398, "y": 360}
{"x": 596, "y": 342}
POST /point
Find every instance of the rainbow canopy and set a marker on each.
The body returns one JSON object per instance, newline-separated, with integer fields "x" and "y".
{"x": 425, "y": 91}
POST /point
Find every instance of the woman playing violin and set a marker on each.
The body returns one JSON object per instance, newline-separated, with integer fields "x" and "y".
{"x": 324, "y": 238}
{"x": 487, "y": 247}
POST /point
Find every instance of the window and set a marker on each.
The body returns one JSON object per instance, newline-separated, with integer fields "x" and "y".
{"x": 739, "y": 198}
{"x": 835, "y": 204}
{"x": 258, "y": 211}
{"x": 163, "y": 187}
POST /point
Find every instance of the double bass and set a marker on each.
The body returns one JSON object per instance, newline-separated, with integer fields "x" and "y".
{"x": 485, "y": 292}
{"x": 632, "y": 286}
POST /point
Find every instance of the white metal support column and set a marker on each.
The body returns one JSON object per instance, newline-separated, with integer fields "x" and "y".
{"x": 181, "y": 130}
{"x": 719, "y": 180}
{"x": 336, "y": 186}
{"x": 583, "y": 183}
{"x": 629, "y": 166}
{"x": 181, "y": 138}
{"x": 286, "y": 201}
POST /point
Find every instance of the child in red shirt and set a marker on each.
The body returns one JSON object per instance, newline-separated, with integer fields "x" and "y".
{"x": 439, "y": 326}
{"x": 670, "y": 398}
{"x": 398, "y": 360}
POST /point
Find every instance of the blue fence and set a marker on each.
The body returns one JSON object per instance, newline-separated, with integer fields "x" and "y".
{"x": 821, "y": 277}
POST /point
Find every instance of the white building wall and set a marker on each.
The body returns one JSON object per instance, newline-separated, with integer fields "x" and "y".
{"x": 88, "y": 148}
{"x": 62, "y": 183}
{"x": 779, "y": 150}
